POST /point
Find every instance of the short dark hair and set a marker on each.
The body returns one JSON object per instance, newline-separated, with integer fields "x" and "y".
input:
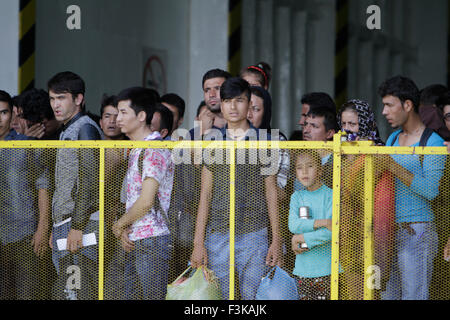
{"x": 35, "y": 104}
{"x": 166, "y": 117}
{"x": 200, "y": 106}
{"x": 234, "y": 87}
{"x": 431, "y": 94}
{"x": 67, "y": 82}
{"x": 403, "y": 88}
{"x": 215, "y": 73}
{"x": 15, "y": 101}
{"x": 444, "y": 100}
{"x": 176, "y": 101}
{"x": 319, "y": 99}
{"x": 329, "y": 117}
{"x": 107, "y": 101}
{"x": 262, "y": 70}
{"x": 5, "y": 97}
{"x": 141, "y": 99}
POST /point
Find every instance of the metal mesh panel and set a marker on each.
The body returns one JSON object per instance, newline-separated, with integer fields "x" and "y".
{"x": 383, "y": 216}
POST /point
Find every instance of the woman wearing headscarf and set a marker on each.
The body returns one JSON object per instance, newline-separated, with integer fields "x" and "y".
{"x": 357, "y": 119}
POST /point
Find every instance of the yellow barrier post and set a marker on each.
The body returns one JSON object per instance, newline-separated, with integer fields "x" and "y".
{"x": 231, "y": 148}
{"x": 368, "y": 224}
{"x": 101, "y": 227}
{"x": 335, "y": 218}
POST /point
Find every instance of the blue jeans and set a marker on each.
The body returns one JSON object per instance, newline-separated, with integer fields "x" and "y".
{"x": 86, "y": 259}
{"x": 250, "y": 260}
{"x": 61, "y": 232}
{"x": 147, "y": 269}
{"x": 413, "y": 263}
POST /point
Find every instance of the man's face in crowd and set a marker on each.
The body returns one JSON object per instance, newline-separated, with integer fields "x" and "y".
{"x": 236, "y": 109}
{"x": 108, "y": 122}
{"x": 5, "y": 119}
{"x": 211, "y": 93}
{"x": 127, "y": 120}
{"x": 315, "y": 130}
{"x": 447, "y": 116}
{"x": 394, "y": 111}
{"x": 305, "y": 110}
{"x": 64, "y": 106}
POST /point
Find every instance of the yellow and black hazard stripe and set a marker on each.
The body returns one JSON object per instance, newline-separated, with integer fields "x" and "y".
{"x": 27, "y": 23}
{"x": 341, "y": 52}
{"x": 234, "y": 36}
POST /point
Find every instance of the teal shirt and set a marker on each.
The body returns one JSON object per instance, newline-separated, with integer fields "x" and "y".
{"x": 316, "y": 262}
{"x": 413, "y": 203}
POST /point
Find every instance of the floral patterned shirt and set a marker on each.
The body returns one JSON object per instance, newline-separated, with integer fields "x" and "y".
{"x": 157, "y": 164}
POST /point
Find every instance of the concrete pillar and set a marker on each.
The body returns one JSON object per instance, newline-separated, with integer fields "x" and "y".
{"x": 282, "y": 80}
{"x": 249, "y": 40}
{"x": 208, "y": 49}
{"x": 365, "y": 70}
{"x": 264, "y": 32}
{"x": 9, "y": 54}
{"x": 381, "y": 73}
{"x": 321, "y": 41}
{"x": 299, "y": 63}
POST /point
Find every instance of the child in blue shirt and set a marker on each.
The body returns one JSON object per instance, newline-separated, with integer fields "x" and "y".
{"x": 313, "y": 263}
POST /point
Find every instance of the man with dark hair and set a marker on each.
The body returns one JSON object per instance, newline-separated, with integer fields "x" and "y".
{"x": 75, "y": 200}
{"x": 315, "y": 100}
{"x": 429, "y": 111}
{"x": 256, "y": 205}
{"x": 320, "y": 125}
{"x": 108, "y": 119}
{"x": 144, "y": 229}
{"x": 177, "y": 105}
{"x": 24, "y": 213}
{"x": 416, "y": 185}
{"x": 211, "y": 83}
{"x": 35, "y": 108}
{"x": 162, "y": 121}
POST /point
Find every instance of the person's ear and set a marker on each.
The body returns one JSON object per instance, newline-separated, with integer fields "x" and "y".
{"x": 142, "y": 116}
{"x": 79, "y": 100}
{"x": 408, "y": 106}
{"x": 330, "y": 134}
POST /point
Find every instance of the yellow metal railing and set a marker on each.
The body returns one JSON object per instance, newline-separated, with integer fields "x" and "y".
{"x": 337, "y": 147}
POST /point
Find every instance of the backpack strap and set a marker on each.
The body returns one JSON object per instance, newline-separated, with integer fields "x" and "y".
{"x": 424, "y": 140}
{"x": 422, "y": 143}
{"x": 425, "y": 136}
{"x": 395, "y": 139}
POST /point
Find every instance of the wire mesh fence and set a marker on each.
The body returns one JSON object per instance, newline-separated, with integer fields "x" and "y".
{"x": 344, "y": 221}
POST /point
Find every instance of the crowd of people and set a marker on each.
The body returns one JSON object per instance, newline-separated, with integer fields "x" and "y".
{"x": 162, "y": 216}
